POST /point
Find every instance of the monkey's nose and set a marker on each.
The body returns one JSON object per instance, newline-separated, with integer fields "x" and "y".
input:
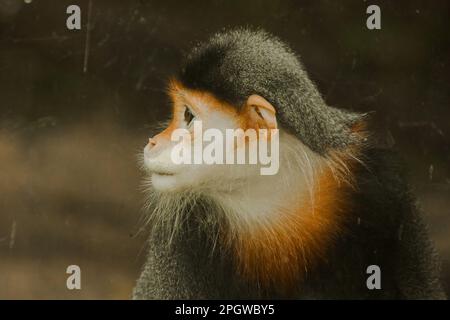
{"x": 152, "y": 142}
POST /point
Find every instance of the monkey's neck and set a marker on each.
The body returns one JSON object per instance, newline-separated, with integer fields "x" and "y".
{"x": 282, "y": 229}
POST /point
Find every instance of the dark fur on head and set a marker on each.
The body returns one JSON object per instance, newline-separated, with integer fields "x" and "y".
{"x": 236, "y": 64}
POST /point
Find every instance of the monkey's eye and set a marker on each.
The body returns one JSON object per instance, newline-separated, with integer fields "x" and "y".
{"x": 188, "y": 115}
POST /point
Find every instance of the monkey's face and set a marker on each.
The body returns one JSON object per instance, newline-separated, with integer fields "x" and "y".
{"x": 194, "y": 151}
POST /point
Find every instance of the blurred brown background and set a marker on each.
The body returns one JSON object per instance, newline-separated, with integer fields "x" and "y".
{"x": 69, "y": 182}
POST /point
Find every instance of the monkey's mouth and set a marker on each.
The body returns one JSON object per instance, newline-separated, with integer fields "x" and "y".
{"x": 159, "y": 169}
{"x": 163, "y": 173}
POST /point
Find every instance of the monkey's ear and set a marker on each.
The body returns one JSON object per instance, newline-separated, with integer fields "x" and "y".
{"x": 261, "y": 113}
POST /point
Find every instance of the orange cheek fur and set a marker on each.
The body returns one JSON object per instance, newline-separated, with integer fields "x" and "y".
{"x": 180, "y": 96}
{"x": 177, "y": 92}
{"x": 164, "y": 137}
{"x": 282, "y": 252}
{"x": 167, "y": 133}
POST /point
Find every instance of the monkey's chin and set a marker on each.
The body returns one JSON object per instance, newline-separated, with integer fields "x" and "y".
{"x": 164, "y": 182}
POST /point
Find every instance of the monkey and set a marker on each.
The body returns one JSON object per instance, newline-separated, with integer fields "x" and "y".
{"x": 338, "y": 204}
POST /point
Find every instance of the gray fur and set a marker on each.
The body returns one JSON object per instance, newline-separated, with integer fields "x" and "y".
{"x": 238, "y": 63}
